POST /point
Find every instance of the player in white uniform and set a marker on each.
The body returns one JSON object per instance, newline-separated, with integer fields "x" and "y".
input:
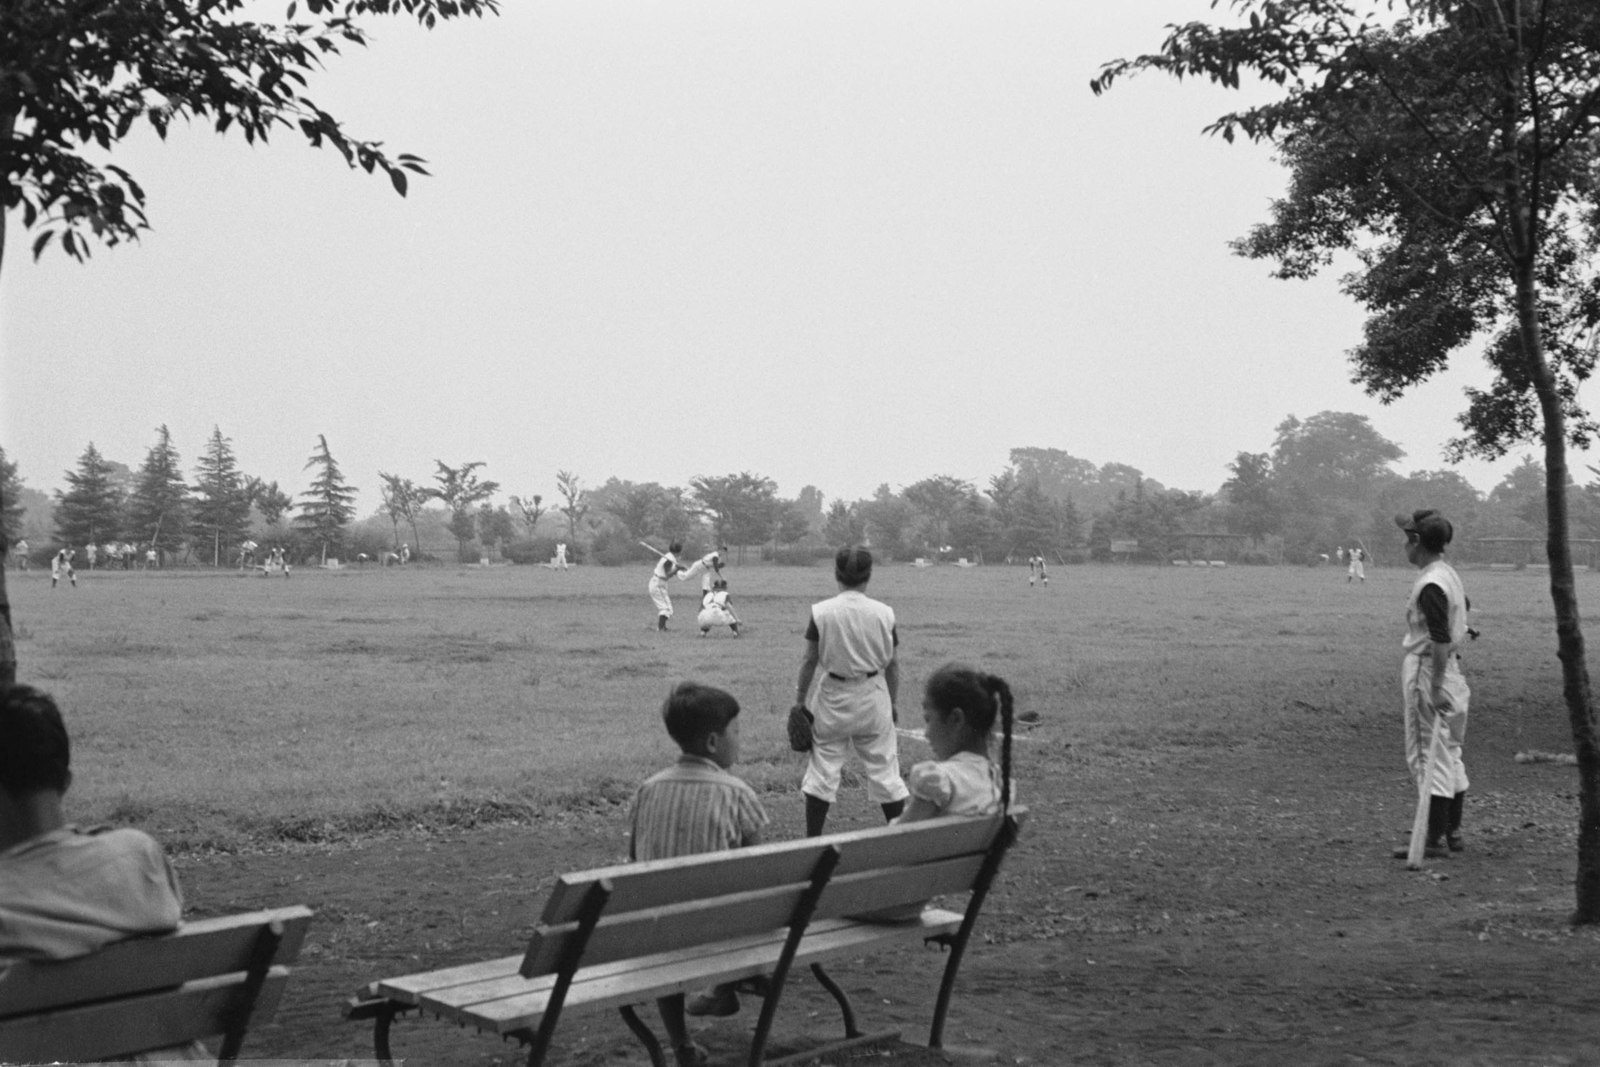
{"x": 1036, "y": 570}
{"x": 716, "y": 610}
{"x": 709, "y": 568}
{"x": 21, "y": 549}
{"x": 61, "y": 567}
{"x": 851, "y": 639}
{"x": 1431, "y": 681}
{"x": 666, "y": 567}
{"x": 1357, "y": 567}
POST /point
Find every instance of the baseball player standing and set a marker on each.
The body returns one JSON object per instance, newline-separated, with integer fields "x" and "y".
{"x": 1357, "y": 567}
{"x": 61, "y": 567}
{"x": 1431, "y": 682}
{"x": 851, "y": 639}
{"x": 665, "y": 568}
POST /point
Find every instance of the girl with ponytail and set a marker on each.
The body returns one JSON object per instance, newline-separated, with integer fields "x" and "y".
{"x": 959, "y": 708}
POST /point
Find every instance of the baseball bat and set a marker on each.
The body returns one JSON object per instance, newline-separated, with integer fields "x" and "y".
{"x": 652, "y": 548}
{"x": 1419, "y": 822}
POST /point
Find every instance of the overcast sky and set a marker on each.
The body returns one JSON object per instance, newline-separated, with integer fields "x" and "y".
{"x": 837, "y": 244}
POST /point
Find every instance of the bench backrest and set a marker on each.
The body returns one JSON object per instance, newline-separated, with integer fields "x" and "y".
{"x": 663, "y": 905}
{"x": 210, "y": 977}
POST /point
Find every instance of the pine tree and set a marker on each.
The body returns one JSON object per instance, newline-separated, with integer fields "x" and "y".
{"x": 221, "y": 510}
{"x": 90, "y": 510}
{"x": 158, "y": 511}
{"x": 329, "y": 505}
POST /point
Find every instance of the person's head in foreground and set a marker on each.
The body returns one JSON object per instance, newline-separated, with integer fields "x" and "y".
{"x": 704, "y": 721}
{"x": 1427, "y": 532}
{"x": 35, "y": 759}
{"x": 852, "y": 567}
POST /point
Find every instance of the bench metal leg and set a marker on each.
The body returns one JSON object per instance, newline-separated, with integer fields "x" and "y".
{"x": 838, "y": 994}
{"x": 380, "y": 1033}
{"x": 646, "y": 1036}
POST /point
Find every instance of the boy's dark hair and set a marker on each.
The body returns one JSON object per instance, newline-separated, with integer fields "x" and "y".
{"x": 852, "y": 566}
{"x": 692, "y": 711}
{"x": 35, "y": 755}
{"x": 979, "y": 696}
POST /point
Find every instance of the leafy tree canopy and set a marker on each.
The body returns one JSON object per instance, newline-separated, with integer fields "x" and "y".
{"x": 76, "y": 78}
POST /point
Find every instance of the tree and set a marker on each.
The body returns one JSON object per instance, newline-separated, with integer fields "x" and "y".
{"x": 158, "y": 511}
{"x": 570, "y": 487}
{"x": 530, "y": 508}
{"x": 11, "y": 507}
{"x": 220, "y": 512}
{"x": 888, "y": 518}
{"x": 78, "y": 78}
{"x": 844, "y": 525}
{"x": 940, "y": 498}
{"x": 1324, "y": 472}
{"x": 494, "y": 525}
{"x": 328, "y": 506}
{"x": 459, "y": 489}
{"x": 743, "y": 507}
{"x": 1453, "y": 152}
{"x": 90, "y": 510}
{"x": 1256, "y": 510}
{"x": 402, "y": 499}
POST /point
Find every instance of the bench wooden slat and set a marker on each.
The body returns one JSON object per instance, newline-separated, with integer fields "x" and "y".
{"x": 199, "y": 949}
{"x": 511, "y": 1003}
{"x": 713, "y": 919}
{"x": 127, "y": 1025}
{"x": 658, "y": 883}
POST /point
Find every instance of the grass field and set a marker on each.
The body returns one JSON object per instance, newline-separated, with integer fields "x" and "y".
{"x": 215, "y": 708}
{"x": 1205, "y": 876}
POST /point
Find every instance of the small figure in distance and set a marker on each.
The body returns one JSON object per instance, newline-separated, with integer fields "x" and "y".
{"x": 61, "y": 567}
{"x": 696, "y": 806}
{"x": 1357, "y": 567}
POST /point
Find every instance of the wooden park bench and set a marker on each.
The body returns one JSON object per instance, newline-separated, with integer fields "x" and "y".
{"x": 212, "y": 977}
{"x": 622, "y": 936}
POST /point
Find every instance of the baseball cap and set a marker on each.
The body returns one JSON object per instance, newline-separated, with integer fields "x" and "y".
{"x": 1429, "y": 527}
{"x": 852, "y": 566}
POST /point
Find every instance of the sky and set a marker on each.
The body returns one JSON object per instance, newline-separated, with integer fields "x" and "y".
{"x": 832, "y": 243}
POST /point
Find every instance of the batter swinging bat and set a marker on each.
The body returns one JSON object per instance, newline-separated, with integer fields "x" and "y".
{"x": 1419, "y": 824}
{"x": 652, "y": 548}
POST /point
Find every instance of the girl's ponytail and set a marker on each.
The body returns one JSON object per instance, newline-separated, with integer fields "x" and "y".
{"x": 1000, "y": 692}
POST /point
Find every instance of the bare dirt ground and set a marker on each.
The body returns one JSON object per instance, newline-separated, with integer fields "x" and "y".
{"x": 1228, "y": 904}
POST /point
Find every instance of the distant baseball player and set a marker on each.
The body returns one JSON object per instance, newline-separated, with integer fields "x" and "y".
{"x": 560, "y": 561}
{"x": 852, "y": 640}
{"x": 717, "y": 610}
{"x": 91, "y": 553}
{"x": 61, "y": 567}
{"x": 1433, "y": 689}
{"x": 1036, "y": 570}
{"x": 247, "y": 553}
{"x": 666, "y": 567}
{"x": 1357, "y": 568}
{"x": 21, "y": 549}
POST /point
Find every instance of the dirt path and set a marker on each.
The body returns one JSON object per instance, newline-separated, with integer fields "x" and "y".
{"x": 1217, "y": 905}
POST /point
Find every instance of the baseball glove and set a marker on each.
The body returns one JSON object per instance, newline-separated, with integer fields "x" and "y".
{"x": 800, "y": 728}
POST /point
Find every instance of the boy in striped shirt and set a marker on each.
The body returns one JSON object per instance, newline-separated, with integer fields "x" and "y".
{"x": 694, "y": 806}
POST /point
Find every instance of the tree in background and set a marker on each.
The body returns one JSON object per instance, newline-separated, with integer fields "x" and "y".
{"x": 1325, "y": 469}
{"x": 570, "y": 486}
{"x": 11, "y": 507}
{"x": 1452, "y": 149}
{"x": 1254, "y": 507}
{"x": 940, "y": 499}
{"x": 495, "y": 527}
{"x": 743, "y": 507}
{"x": 158, "y": 511}
{"x": 460, "y": 490}
{"x": 328, "y": 506}
{"x": 219, "y": 512}
{"x": 530, "y": 508}
{"x": 90, "y": 510}
{"x": 271, "y": 502}
{"x": 402, "y": 499}
{"x": 888, "y": 519}
{"x": 844, "y": 525}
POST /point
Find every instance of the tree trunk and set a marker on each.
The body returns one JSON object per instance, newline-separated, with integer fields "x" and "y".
{"x": 1564, "y": 596}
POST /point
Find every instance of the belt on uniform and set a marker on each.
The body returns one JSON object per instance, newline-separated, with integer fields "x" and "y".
{"x": 850, "y": 678}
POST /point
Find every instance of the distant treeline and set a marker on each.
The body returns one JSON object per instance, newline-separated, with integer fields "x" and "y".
{"x": 1328, "y": 482}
